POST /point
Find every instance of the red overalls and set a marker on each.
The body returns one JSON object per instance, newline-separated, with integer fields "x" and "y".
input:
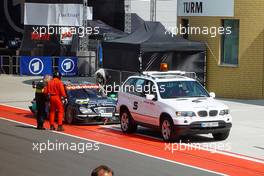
{"x": 55, "y": 90}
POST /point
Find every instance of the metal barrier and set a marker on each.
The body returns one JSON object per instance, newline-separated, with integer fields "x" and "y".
{"x": 6, "y": 64}
{"x": 118, "y": 77}
{"x": 11, "y": 64}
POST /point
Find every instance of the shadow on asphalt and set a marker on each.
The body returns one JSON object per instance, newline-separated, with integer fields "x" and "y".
{"x": 249, "y": 102}
{"x": 183, "y": 139}
{"x": 25, "y": 126}
{"x": 154, "y": 135}
{"x": 27, "y": 115}
{"x": 29, "y": 82}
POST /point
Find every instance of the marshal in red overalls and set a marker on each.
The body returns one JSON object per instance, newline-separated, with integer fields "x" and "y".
{"x": 56, "y": 92}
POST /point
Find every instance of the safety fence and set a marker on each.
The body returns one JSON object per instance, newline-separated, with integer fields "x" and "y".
{"x": 9, "y": 64}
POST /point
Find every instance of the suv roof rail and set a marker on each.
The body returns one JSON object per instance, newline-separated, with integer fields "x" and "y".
{"x": 143, "y": 74}
{"x": 174, "y": 72}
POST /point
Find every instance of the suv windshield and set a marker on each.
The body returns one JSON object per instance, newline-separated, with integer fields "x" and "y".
{"x": 179, "y": 89}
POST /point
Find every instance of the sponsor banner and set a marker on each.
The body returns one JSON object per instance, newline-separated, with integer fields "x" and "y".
{"x": 66, "y": 36}
{"x": 35, "y": 65}
{"x": 82, "y": 86}
{"x": 41, "y": 14}
{"x": 221, "y": 8}
{"x": 68, "y": 66}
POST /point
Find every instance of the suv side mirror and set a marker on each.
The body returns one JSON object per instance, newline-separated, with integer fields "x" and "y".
{"x": 212, "y": 94}
{"x": 150, "y": 96}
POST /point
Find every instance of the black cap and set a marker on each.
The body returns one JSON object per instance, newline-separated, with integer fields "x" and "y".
{"x": 56, "y": 74}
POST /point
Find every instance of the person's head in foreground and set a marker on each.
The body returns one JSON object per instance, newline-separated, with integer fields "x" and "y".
{"x": 102, "y": 171}
{"x": 57, "y": 74}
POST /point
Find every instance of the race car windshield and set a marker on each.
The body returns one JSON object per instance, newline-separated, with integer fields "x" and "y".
{"x": 179, "y": 89}
{"x": 95, "y": 93}
{"x": 86, "y": 93}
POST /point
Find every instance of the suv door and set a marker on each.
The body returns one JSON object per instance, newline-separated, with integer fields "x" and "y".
{"x": 126, "y": 95}
{"x": 151, "y": 107}
{"x": 137, "y": 99}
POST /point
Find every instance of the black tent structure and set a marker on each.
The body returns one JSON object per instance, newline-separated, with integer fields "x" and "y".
{"x": 106, "y": 32}
{"x": 153, "y": 44}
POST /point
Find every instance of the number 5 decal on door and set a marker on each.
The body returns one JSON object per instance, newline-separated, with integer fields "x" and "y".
{"x": 135, "y": 105}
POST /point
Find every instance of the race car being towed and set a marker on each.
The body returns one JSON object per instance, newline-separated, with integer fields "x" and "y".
{"x": 87, "y": 103}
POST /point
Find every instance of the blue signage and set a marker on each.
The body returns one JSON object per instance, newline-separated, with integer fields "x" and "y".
{"x": 30, "y": 65}
{"x": 100, "y": 55}
{"x": 68, "y": 66}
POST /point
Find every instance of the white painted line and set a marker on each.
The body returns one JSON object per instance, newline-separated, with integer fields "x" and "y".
{"x": 216, "y": 151}
{"x": 121, "y": 148}
{"x": 138, "y": 134}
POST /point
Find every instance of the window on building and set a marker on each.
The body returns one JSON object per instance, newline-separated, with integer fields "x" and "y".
{"x": 185, "y": 23}
{"x": 230, "y": 42}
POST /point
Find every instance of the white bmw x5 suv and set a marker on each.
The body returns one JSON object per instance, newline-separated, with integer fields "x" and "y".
{"x": 173, "y": 103}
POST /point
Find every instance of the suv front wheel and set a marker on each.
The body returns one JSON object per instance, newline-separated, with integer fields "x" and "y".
{"x": 128, "y": 124}
{"x": 221, "y": 136}
{"x": 167, "y": 130}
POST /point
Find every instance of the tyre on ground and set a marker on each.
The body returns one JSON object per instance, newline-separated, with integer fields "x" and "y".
{"x": 128, "y": 125}
{"x": 168, "y": 132}
{"x": 221, "y": 136}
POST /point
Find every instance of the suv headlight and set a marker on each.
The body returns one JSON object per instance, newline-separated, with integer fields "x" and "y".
{"x": 185, "y": 114}
{"x": 224, "y": 112}
{"x": 85, "y": 110}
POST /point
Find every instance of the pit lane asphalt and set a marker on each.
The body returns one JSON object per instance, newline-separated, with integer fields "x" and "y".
{"x": 245, "y": 137}
{"x": 17, "y": 157}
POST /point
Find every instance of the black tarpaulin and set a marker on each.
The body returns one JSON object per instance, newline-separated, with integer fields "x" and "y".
{"x": 153, "y": 37}
{"x": 106, "y": 30}
{"x": 155, "y": 46}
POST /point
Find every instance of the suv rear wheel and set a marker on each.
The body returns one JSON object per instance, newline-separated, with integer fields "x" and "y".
{"x": 167, "y": 130}
{"x": 221, "y": 136}
{"x": 128, "y": 124}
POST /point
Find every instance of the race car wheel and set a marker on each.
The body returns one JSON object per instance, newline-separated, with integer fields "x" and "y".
{"x": 128, "y": 125}
{"x": 69, "y": 116}
{"x": 221, "y": 136}
{"x": 167, "y": 130}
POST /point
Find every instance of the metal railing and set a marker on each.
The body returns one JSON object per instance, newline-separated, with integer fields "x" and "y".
{"x": 117, "y": 77}
{"x": 9, "y": 64}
